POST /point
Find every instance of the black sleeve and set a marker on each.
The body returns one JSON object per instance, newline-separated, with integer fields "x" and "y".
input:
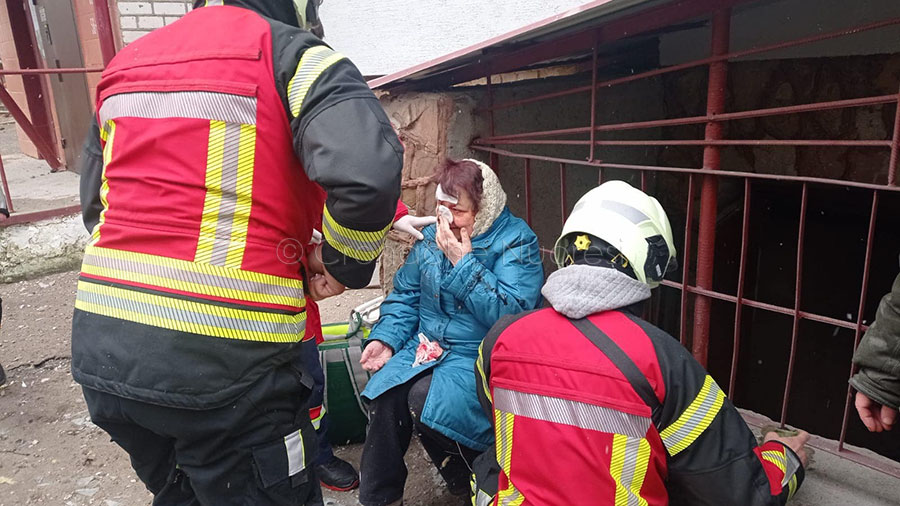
{"x": 91, "y": 177}
{"x": 713, "y": 455}
{"x": 346, "y": 144}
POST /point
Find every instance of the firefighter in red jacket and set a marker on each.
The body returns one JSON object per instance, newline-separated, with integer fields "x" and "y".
{"x": 592, "y": 405}
{"x": 220, "y": 142}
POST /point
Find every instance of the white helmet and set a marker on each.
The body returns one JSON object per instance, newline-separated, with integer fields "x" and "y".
{"x": 629, "y": 220}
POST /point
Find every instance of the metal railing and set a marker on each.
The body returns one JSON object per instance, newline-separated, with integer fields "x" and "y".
{"x": 703, "y": 183}
{"x": 44, "y": 146}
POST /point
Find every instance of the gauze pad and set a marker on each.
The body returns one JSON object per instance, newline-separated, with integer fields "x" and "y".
{"x": 440, "y": 195}
{"x": 444, "y": 211}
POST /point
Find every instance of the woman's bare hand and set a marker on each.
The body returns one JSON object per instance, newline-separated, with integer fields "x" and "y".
{"x": 375, "y": 356}
{"x": 453, "y": 249}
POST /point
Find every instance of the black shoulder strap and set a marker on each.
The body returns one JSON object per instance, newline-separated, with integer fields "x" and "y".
{"x": 622, "y": 361}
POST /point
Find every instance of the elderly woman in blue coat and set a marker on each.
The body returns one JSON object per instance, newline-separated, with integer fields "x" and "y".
{"x": 476, "y": 265}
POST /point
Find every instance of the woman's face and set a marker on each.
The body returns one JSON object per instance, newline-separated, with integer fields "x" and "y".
{"x": 463, "y": 214}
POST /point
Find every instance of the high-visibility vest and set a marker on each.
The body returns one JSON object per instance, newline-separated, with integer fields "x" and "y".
{"x": 191, "y": 285}
{"x": 560, "y": 401}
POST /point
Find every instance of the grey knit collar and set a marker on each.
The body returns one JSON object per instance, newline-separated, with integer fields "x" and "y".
{"x": 581, "y": 290}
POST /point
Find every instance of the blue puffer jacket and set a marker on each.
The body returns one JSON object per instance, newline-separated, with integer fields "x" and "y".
{"x": 456, "y": 305}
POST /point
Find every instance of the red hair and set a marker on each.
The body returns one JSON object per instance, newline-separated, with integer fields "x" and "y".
{"x": 457, "y": 176}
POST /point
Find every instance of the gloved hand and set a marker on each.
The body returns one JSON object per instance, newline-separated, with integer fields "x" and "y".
{"x": 412, "y": 224}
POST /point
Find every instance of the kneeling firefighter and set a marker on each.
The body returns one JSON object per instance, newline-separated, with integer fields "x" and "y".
{"x": 593, "y": 405}
{"x": 220, "y": 143}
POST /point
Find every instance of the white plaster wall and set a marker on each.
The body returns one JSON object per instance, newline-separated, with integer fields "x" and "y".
{"x": 391, "y": 35}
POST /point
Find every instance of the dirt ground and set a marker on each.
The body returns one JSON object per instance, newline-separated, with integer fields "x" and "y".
{"x": 50, "y": 452}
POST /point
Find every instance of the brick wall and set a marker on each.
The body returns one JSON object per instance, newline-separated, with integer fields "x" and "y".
{"x": 138, "y": 18}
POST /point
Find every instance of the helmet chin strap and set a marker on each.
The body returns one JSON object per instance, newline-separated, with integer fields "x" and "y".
{"x": 300, "y": 9}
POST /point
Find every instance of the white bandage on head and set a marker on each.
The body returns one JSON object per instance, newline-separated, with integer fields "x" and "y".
{"x": 440, "y": 195}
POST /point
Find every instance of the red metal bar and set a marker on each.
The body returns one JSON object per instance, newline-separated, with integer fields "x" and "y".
{"x": 764, "y": 306}
{"x": 46, "y": 151}
{"x": 29, "y": 72}
{"x": 693, "y": 120}
{"x": 706, "y": 235}
{"x": 706, "y": 61}
{"x": 798, "y": 285}
{"x": 20, "y": 218}
{"x": 693, "y": 142}
{"x": 528, "y": 191}
{"x": 739, "y": 303}
{"x": 687, "y": 170}
{"x": 895, "y": 146}
{"x": 686, "y": 263}
{"x": 643, "y": 181}
{"x": 9, "y": 204}
{"x": 562, "y": 193}
{"x": 104, "y": 30}
{"x": 870, "y": 240}
{"x": 593, "y": 140}
{"x": 523, "y": 55}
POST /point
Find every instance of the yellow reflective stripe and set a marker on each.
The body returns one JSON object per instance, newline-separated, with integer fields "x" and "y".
{"x": 107, "y": 134}
{"x": 504, "y": 423}
{"x": 481, "y": 374}
{"x": 229, "y": 187}
{"x": 189, "y": 316}
{"x": 244, "y": 197}
{"x": 314, "y": 61}
{"x": 776, "y": 458}
{"x": 628, "y": 468}
{"x": 213, "y": 200}
{"x": 695, "y": 419}
{"x": 191, "y": 277}
{"x": 317, "y": 421}
{"x": 792, "y": 486}
{"x": 358, "y": 244}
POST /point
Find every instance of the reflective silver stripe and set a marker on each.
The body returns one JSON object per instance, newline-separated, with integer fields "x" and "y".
{"x": 632, "y": 214}
{"x": 628, "y": 466}
{"x": 285, "y": 328}
{"x": 698, "y": 421}
{"x": 228, "y": 186}
{"x": 628, "y": 469}
{"x": 314, "y": 61}
{"x": 482, "y": 499}
{"x": 511, "y": 498}
{"x": 793, "y": 464}
{"x": 176, "y": 274}
{"x": 578, "y": 414}
{"x": 367, "y": 246}
{"x": 296, "y": 455}
{"x": 212, "y": 3}
{"x": 180, "y": 104}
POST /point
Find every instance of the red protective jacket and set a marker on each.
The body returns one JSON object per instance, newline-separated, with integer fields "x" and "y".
{"x": 220, "y": 154}
{"x": 633, "y": 419}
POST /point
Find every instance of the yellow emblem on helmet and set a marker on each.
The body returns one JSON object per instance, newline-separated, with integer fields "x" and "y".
{"x": 582, "y": 242}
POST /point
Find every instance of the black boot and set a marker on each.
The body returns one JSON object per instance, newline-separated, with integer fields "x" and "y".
{"x": 2, "y": 376}
{"x": 337, "y": 474}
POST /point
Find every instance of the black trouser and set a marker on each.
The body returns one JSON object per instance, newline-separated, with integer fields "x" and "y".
{"x": 312, "y": 365}
{"x": 392, "y": 417}
{"x": 241, "y": 453}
